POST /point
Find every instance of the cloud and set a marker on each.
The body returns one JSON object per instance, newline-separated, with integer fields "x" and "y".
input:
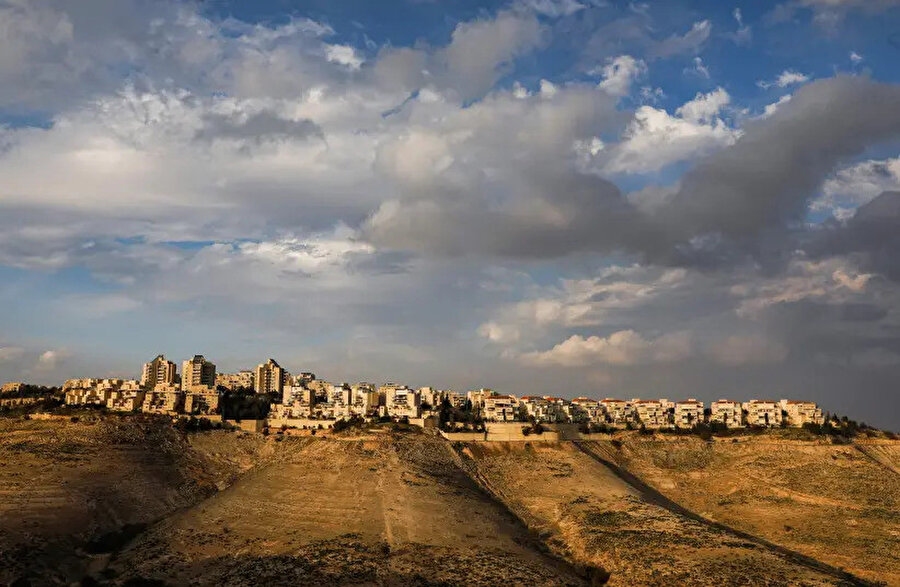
{"x": 744, "y": 33}
{"x": 655, "y": 138}
{"x": 689, "y": 42}
{"x": 765, "y": 179}
{"x": 344, "y": 55}
{"x": 857, "y": 184}
{"x": 554, "y": 8}
{"x": 747, "y": 350}
{"x": 10, "y": 353}
{"x": 786, "y": 78}
{"x": 480, "y": 51}
{"x": 619, "y": 73}
{"x": 624, "y": 347}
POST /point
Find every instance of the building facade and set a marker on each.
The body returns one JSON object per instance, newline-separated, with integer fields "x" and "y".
{"x": 159, "y": 371}
{"x": 198, "y": 373}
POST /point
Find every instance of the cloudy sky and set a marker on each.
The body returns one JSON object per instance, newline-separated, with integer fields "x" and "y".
{"x": 572, "y": 197}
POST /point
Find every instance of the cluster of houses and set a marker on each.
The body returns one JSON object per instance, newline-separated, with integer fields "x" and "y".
{"x": 303, "y": 398}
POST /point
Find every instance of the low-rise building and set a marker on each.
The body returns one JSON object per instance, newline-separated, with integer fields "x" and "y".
{"x": 163, "y": 399}
{"x": 201, "y": 403}
{"x": 127, "y": 397}
{"x": 402, "y": 402}
{"x": 584, "y": 409}
{"x": 617, "y": 412}
{"x": 688, "y": 413}
{"x": 12, "y": 387}
{"x": 650, "y": 413}
{"x": 726, "y": 412}
{"x": 798, "y": 413}
{"x": 500, "y": 408}
{"x": 234, "y": 381}
{"x": 765, "y": 413}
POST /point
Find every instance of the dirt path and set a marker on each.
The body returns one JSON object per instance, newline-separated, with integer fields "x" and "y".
{"x": 653, "y": 496}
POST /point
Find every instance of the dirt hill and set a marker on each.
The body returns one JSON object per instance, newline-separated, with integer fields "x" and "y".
{"x": 839, "y": 504}
{"x": 130, "y": 500}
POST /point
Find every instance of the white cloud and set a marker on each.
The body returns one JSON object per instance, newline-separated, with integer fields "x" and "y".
{"x": 553, "y": 8}
{"x": 855, "y": 58}
{"x": 655, "y": 139}
{"x": 786, "y": 78}
{"x": 624, "y": 347}
{"x": 619, "y": 73}
{"x": 690, "y": 42}
{"x": 854, "y": 185}
{"x": 344, "y": 55}
{"x": 705, "y": 108}
{"x": 699, "y": 68}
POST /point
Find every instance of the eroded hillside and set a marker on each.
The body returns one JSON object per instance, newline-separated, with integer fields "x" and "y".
{"x": 389, "y": 510}
{"x": 839, "y": 504}
{"x": 589, "y": 514}
{"x": 121, "y": 499}
{"x": 67, "y": 488}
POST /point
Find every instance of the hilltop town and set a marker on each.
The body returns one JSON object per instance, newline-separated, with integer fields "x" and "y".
{"x": 281, "y": 400}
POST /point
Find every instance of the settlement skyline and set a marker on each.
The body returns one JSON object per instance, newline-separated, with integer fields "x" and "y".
{"x": 565, "y": 197}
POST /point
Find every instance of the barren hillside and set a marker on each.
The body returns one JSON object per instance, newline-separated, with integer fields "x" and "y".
{"x": 130, "y": 499}
{"x": 837, "y": 503}
{"x": 67, "y": 488}
{"x": 591, "y": 515}
{"x": 391, "y": 510}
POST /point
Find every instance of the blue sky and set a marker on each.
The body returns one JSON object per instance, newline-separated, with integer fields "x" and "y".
{"x": 572, "y": 197}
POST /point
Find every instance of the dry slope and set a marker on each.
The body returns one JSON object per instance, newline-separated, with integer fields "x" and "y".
{"x": 839, "y": 504}
{"x": 592, "y": 516}
{"x": 390, "y": 510}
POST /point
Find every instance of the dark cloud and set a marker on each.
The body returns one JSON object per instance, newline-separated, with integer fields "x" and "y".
{"x": 872, "y": 234}
{"x": 766, "y": 179}
{"x": 258, "y": 127}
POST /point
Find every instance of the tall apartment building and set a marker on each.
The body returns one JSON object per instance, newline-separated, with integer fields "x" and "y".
{"x": 270, "y": 377}
{"x": 159, "y": 371}
{"x": 726, "y": 412}
{"x": 198, "y": 373}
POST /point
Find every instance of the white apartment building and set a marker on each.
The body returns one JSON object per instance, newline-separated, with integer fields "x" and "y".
{"x": 159, "y": 371}
{"x": 616, "y": 411}
{"x": 270, "y": 377}
{"x": 765, "y": 413}
{"x": 584, "y": 409}
{"x": 726, "y": 412}
{"x": 500, "y": 408}
{"x": 650, "y": 412}
{"x": 198, "y": 373}
{"x": 402, "y": 401}
{"x": 798, "y": 413}
{"x": 688, "y": 413}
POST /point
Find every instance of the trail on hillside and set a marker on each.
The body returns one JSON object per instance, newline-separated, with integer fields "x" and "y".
{"x": 653, "y": 496}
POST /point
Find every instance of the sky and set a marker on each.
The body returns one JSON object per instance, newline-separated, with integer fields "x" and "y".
{"x": 565, "y": 197}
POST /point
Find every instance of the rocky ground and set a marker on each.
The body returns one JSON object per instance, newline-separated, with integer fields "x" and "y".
{"x": 129, "y": 500}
